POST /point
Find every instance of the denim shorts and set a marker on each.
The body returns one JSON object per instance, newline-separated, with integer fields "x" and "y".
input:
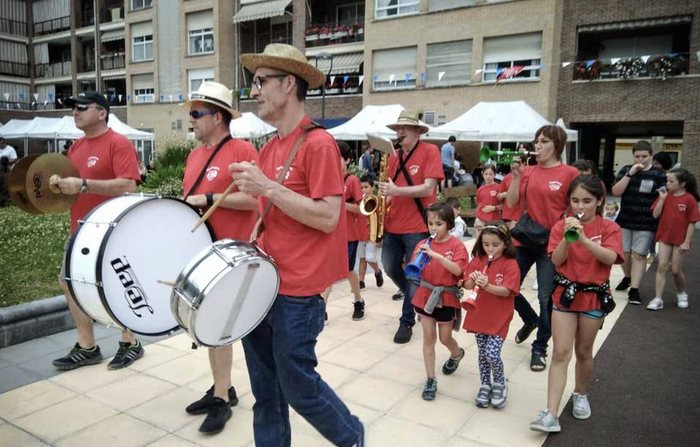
{"x": 637, "y": 241}
{"x": 595, "y": 314}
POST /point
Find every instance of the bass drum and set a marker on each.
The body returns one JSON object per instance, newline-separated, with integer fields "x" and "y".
{"x": 120, "y": 252}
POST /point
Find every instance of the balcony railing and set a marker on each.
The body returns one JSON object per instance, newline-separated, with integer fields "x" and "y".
{"x": 656, "y": 66}
{"x": 113, "y": 61}
{"x": 321, "y": 34}
{"x": 14, "y": 68}
{"x": 53, "y": 70}
{"x": 13, "y": 27}
{"x": 87, "y": 18}
{"x": 52, "y": 26}
{"x": 15, "y": 105}
{"x": 87, "y": 66}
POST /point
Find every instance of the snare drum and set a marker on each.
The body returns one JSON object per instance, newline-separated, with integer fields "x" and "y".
{"x": 225, "y": 292}
{"x": 120, "y": 252}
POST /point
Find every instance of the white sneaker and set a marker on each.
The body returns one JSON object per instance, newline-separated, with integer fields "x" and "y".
{"x": 582, "y": 409}
{"x": 546, "y": 422}
{"x": 683, "y": 300}
{"x": 657, "y": 304}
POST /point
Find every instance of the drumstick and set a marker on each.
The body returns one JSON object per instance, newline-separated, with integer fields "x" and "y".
{"x": 214, "y": 206}
{"x": 165, "y": 283}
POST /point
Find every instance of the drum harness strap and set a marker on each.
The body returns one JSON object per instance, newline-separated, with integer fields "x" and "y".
{"x": 226, "y": 139}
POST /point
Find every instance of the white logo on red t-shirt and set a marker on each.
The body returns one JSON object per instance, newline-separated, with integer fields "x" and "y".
{"x": 682, "y": 207}
{"x": 493, "y": 193}
{"x": 279, "y": 168}
{"x": 449, "y": 254}
{"x": 555, "y": 186}
{"x": 413, "y": 169}
{"x": 499, "y": 279}
{"x": 597, "y": 239}
{"x": 212, "y": 173}
{"x": 92, "y": 161}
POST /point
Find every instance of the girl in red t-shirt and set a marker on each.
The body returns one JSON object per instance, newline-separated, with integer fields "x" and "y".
{"x": 495, "y": 271}
{"x": 582, "y": 296}
{"x": 488, "y": 206}
{"x": 678, "y": 208}
{"x": 439, "y": 311}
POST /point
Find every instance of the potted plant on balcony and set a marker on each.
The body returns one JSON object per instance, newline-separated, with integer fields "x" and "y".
{"x": 312, "y": 33}
{"x": 352, "y": 86}
{"x": 334, "y": 88}
{"x": 358, "y": 28}
{"x": 340, "y": 31}
{"x": 244, "y": 93}
{"x": 324, "y": 33}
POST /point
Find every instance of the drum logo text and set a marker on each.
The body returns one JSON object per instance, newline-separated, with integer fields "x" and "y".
{"x": 133, "y": 292}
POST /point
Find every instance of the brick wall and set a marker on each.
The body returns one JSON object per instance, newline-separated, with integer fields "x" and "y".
{"x": 336, "y": 107}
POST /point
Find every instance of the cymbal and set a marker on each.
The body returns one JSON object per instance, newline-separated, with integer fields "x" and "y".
{"x": 36, "y": 181}
{"x": 17, "y": 188}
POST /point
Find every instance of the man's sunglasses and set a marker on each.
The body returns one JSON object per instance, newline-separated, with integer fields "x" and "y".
{"x": 197, "y": 114}
{"x": 259, "y": 81}
{"x": 84, "y": 107}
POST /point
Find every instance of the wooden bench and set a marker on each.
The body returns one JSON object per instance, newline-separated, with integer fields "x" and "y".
{"x": 468, "y": 191}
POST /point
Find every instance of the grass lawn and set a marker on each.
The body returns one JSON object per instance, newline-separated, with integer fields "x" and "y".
{"x": 31, "y": 248}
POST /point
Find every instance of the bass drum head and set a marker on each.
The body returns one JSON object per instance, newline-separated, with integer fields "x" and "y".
{"x": 227, "y": 313}
{"x": 152, "y": 241}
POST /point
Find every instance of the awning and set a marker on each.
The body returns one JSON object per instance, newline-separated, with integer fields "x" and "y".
{"x": 109, "y": 36}
{"x": 342, "y": 63}
{"x": 114, "y": 77}
{"x": 261, "y": 10}
{"x": 647, "y": 23}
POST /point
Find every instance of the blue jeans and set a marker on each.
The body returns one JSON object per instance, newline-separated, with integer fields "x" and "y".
{"x": 545, "y": 286}
{"x": 398, "y": 249}
{"x": 281, "y": 359}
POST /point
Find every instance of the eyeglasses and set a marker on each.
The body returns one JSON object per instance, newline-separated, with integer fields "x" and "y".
{"x": 259, "y": 81}
{"x": 84, "y": 107}
{"x": 197, "y": 114}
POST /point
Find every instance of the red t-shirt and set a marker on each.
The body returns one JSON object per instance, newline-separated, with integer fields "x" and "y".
{"x": 403, "y": 216}
{"x": 581, "y": 266}
{"x": 678, "y": 212}
{"x": 226, "y": 222}
{"x": 487, "y": 195}
{"x": 308, "y": 260}
{"x": 362, "y": 227}
{"x": 493, "y": 313}
{"x": 436, "y": 274}
{"x": 107, "y": 157}
{"x": 545, "y": 190}
{"x": 352, "y": 193}
{"x": 509, "y": 213}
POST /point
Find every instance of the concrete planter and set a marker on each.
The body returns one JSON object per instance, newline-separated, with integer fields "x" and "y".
{"x": 28, "y": 321}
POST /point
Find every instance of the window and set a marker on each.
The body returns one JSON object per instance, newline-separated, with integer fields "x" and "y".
{"x": 394, "y": 68}
{"x": 196, "y": 77}
{"x": 523, "y": 50}
{"x": 141, "y": 4}
{"x": 350, "y": 14}
{"x": 200, "y": 32}
{"x": 452, "y": 59}
{"x": 389, "y": 8}
{"x": 143, "y": 86}
{"x": 142, "y": 42}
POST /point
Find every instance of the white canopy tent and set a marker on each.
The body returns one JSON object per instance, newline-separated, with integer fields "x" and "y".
{"x": 369, "y": 119}
{"x": 11, "y": 127}
{"x": 246, "y": 127}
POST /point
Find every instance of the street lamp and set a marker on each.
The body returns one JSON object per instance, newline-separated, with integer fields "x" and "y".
{"x": 324, "y": 56}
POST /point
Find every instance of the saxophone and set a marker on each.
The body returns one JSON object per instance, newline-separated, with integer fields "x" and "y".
{"x": 374, "y": 206}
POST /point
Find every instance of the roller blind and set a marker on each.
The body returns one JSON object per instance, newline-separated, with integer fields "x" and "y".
{"x": 397, "y": 62}
{"x": 50, "y": 9}
{"x": 200, "y": 20}
{"x": 142, "y": 29}
{"x": 13, "y": 51}
{"x": 142, "y": 81}
{"x": 513, "y": 48}
{"x": 453, "y": 59}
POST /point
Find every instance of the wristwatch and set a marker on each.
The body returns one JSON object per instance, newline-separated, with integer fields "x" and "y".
{"x": 628, "y": 175}
{"x": 210, "y": 198}
{"x": 84, "y": 188}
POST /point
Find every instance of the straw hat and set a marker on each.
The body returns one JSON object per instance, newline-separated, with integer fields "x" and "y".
{"x": 409, "y": 118}
{"x": 285, "y": 58}
{"x": 214, "y": 93}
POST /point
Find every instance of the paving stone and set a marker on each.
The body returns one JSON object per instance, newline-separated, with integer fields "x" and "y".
{"x": 13, "y": 376}
{"x": 13, "y": 436}
{"x": 122, "y": 430}
{"x": 31, "y": 398}
{"x": 29, "y": 350}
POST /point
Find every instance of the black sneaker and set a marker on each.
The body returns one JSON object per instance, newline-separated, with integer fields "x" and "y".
{"x": 359, "y": 312}
{"x": 451, "y": 364}
{"x": 430, "y": 389}
{"x": 403, "y": 335}
{"x": 397, "y": 296}
{"x": 218, "y": 414}
{"x": 379, "y": 276}
{"x": 624, "y": 284}
{"x": 633, "y": 296}
{"x": 362, "y": 285}
{"x": 524, "y": 332}
{"x": 202, "y": 405}
{"x": 127, "y": 354}
{"x": 78, "y": 357}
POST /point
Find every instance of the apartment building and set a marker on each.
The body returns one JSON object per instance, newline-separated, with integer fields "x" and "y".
{"x": 635, "y": 74}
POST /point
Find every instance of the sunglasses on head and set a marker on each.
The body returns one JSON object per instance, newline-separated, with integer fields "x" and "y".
{"x": 197, "y": 114}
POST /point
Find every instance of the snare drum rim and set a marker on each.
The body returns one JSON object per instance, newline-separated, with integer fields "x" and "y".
{"x": 103, "y": 246}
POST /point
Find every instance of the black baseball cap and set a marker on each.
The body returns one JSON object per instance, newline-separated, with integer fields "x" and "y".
{"x": 88, "y": 97}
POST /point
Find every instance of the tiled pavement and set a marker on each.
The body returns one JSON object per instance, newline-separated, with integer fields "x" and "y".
{"x": 380, "y": 381}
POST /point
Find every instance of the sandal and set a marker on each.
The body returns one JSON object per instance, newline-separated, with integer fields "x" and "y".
{"x": 538, "y": 362}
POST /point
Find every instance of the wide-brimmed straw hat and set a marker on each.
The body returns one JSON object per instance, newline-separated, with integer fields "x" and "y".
{"x": 214, "y": 93}
{"x": 285, "y": 58}
{"x": 409, "y": 118}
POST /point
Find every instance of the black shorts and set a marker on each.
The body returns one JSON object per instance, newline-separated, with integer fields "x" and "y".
{"x": 449, "y": 171}
{"x": 352, "y": 255}
{"x": 443, "y": 314}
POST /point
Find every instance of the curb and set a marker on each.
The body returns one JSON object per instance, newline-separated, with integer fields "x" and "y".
{"x": 36, "y": 319}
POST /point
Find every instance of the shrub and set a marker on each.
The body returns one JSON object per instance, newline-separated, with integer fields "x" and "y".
{"x": 166, "y": 179}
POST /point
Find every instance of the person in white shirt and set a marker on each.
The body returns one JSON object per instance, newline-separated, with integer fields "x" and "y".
{"x": 8, "y": 151}
{"x": 460, "y": 225}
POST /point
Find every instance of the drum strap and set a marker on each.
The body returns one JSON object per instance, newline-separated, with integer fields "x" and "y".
{"x": 260, "y": 224}
{"x": 226, "y": 139}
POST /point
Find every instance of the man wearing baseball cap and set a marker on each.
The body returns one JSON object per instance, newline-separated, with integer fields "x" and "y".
{"x": 305, "y": 233}
{"x": 108, "y": 167}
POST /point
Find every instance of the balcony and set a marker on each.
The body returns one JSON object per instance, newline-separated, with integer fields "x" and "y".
{"x": 322, "y": 34}
{"x": 13, "y": 27}
{"x": 14, "y": 69}
{"x": 53, "y": 70}
{"x": 51, "y": 26}
{"x": 113, "y": 61}
{"x": 657, "y": 66}
{"x": 112, "y": 14}
{"x": 87, "y": 18}
{"x": 87, "y": 66}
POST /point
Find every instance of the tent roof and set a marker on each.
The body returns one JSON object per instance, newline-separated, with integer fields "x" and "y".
{"x": 250, "y": 126}
{"x": 369, "y": 119}
{"x": 11, "y": 128}
{"x": 496, "y": 121}
{"x": 64, "y": 128}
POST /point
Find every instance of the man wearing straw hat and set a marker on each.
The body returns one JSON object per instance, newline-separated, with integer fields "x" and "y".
{"x": 305, "y": 233}
{"x": 413, "y": 176}
{"x": 206, "y": 178}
